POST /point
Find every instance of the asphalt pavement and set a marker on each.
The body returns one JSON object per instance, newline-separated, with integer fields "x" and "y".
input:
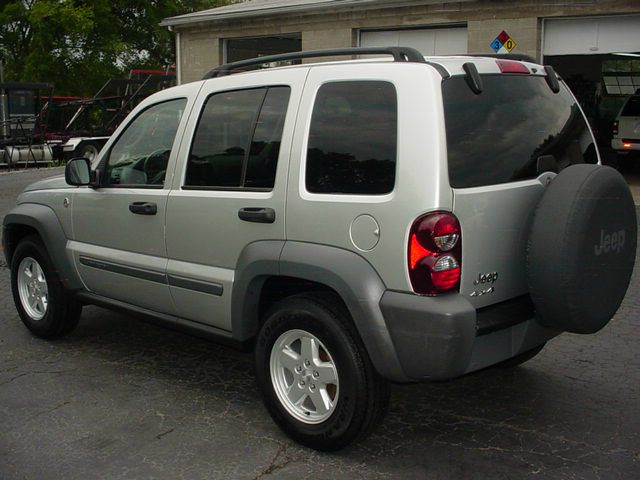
{"x": 122, "y": 399}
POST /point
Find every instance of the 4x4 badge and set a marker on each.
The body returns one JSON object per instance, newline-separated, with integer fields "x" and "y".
{"x": 479, "y": 293}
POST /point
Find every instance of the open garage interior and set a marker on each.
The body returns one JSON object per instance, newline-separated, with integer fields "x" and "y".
{"x": 599, "y": 57}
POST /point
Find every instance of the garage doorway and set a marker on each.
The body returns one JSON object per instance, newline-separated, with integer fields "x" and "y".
{"x": 236, "y": 49}
{"x": 428, "y": 41}
{"x": 599, "y": 57}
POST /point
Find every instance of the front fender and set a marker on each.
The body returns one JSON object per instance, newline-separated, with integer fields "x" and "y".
{"x": 44, "y": 221}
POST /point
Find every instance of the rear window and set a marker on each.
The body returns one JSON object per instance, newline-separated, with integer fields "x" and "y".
{"x": 499, "y": 135}
{"x": 632, "y": 108}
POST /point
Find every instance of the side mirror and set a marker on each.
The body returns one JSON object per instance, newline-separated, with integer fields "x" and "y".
{"x": 77, "y": 172}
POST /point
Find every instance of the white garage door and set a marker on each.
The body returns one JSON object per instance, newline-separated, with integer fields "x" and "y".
{"x": 598, "y": 35}
{"x": 428, "y": 41}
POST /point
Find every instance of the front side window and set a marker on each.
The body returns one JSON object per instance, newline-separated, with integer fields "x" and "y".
{"x": 353, "y": 138}
{"x": 237, "y": 141}
{"x": 141, "y": 153}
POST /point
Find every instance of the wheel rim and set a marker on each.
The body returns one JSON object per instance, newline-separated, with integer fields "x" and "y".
{"x": 32, "y": 288}
{"x": 90, "y": 152}
{"x": 304, "y": 376}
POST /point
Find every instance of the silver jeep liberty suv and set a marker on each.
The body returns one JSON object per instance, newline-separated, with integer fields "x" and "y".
{"x": 357, "y": 222}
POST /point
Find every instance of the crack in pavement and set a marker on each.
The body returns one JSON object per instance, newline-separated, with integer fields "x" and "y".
{"x": 160, "y": 435}
{"x": 44, "y": 412}
{"x": 274, "y": 466}
{"x": 24, "y": 374}
{"x": 514, "y": 428}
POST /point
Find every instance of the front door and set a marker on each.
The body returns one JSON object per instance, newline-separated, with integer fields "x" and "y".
{"x": 119, "y": 245}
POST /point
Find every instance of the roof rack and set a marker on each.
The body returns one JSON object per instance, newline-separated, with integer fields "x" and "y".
{"x": 400, "y": 54}
{"x": 506, "y": 56}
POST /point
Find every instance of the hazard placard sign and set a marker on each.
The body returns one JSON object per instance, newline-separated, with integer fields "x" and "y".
{"x": 503, "y": 43}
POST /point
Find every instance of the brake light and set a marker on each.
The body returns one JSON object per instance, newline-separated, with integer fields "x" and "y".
{"x": 435, "y": 253}
{"x": 626, "y": 145}
{"x": 615, "y": 127}
{"x": 511, "y": 66}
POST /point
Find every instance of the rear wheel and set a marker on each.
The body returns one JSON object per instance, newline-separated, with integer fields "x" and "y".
{"x": 45, "y": 307}
{"x": 314, "y": 374}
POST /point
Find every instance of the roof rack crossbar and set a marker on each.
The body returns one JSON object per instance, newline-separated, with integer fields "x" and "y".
{"x": 400, "y": 54}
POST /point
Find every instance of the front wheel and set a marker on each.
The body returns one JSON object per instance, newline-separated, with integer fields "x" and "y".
{"x": 45, "y": 307}
{"x": 314, "y": 374}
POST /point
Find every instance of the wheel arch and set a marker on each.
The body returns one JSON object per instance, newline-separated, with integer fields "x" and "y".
{"x": 288, "y": 268}
{"x": 36, "y": 219}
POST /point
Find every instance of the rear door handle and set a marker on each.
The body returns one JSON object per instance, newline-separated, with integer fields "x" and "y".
{"x": 143, "y": 208}
{"x": 257, "y": 214}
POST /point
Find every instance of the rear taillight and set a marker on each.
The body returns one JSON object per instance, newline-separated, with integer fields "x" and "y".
{"x": 435, "y": 253}
{"x": 615, "y": 127}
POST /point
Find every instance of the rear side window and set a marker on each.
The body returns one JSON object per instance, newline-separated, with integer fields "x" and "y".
{"x": 499, "y": 135}
{"x": 632, "y": 108}
{"x": 237, "y": 140}
{"x": 352, "y": 139}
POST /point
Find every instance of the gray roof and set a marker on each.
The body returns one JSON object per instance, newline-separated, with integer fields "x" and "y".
{"x": 255, "y": 8}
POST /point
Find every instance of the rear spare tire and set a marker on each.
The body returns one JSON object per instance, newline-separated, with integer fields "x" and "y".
{"x": 582, "y": 248}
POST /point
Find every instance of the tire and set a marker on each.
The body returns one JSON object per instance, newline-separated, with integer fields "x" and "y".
{"x": 582, "y": 248}
{"x": 340, "y": 372}
{"x": 52, "y": 311}
{"x": 521, "y": 358}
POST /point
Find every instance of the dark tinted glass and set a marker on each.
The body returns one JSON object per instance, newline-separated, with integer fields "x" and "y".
{"x": 632, "y": 108}
{"x": 222, "y": 137}
{"x": 352, "y": 140}
{"x": 265, "y": 145}
{"x": 497, "y": 136}
{"x": 233, "y": 146}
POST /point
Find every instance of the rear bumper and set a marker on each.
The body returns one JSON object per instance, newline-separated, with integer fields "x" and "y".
{"x": 438, "y": 338}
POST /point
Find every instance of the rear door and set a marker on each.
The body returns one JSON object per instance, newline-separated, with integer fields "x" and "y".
{"x": 229, "y": 189}
{"x": 501, "y": 144}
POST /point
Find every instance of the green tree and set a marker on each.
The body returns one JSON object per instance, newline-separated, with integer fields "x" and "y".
{"x": 78, "y": 44}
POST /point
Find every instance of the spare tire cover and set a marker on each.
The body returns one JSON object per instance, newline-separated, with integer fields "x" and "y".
{"x": 582, "y": 248}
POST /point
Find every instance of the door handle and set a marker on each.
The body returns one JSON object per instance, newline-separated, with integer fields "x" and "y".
{"x": 143, "y": 208}
{"x": 257, "y": 214}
